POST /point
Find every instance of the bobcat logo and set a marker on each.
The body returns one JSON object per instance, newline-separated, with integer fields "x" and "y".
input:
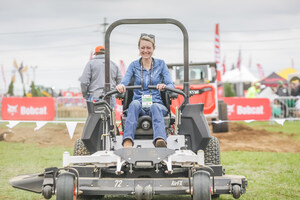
{"x": 230, "y": 109}
{"x": 12, "y": 109}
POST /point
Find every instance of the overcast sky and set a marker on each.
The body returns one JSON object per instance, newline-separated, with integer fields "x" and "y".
{"x": 57, "y": 36}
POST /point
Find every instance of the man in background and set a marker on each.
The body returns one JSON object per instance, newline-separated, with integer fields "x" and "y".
{"x": 295, "y": 88}
{"x": 253, "y": 91}
{"x": 93, "y": 76}
{"x": 282, "y": 90}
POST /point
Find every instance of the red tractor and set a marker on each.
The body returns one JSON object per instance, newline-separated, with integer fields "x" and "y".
{"x": 203, "y": 89}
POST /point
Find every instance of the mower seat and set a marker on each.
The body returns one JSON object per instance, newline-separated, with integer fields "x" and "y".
{"x": 144, "y": 128}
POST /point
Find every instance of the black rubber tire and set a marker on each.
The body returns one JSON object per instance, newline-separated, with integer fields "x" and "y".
{"x": 47, "y": 192}
{"x": 236, "y": 191}
{"x": 80, "y": 149}
{"x": 221, "y": 127}
{"x": 215, "y": 196}
{"x": 212, "y": 152}
{"x": 65, "y": 187}
{"x": 98, "y": 197}
{"x": 201, "y": 185}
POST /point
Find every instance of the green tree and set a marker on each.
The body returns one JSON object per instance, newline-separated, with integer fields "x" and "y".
{"x": 11, "y": 88}
{"x": 35, "y": 91}
{"x": 229, "y": 91}
{"x": 39, "y": 92}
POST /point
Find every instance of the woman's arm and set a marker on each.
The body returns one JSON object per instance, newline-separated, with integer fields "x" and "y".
{"x": 126, "y": 79}
{"x": 167, "y": 77}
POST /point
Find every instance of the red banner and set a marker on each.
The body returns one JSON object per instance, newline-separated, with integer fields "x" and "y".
{"x": 248, "y": 108}
{"x": 23, "y": 108}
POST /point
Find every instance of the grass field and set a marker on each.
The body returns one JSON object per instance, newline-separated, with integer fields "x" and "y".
{"x": 270, "y": 175}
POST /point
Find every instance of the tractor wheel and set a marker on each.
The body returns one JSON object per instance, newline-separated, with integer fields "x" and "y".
{"x": 221, "y": 127}
{"x": 80, "y": 149}
{"x": 201, "y": 185}
{"x": 212, "y": 152}
{"x": 66, "y": 187}
{"x": 236, "y": 191}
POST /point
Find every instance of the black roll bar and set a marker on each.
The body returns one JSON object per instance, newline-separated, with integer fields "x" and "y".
{"x": 186, "y": 85}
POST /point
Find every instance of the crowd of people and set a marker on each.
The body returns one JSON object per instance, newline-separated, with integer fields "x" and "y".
{"x": 281, "y": 90}
{"x": 287, "y": 102}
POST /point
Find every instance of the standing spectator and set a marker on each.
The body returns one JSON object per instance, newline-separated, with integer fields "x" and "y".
{"x": 253, "y": 91}
{"x": 282, "y": 90}
{"x": 295, "y": 92}
{"x": 295, "y": 89}
{"x": 60, "y": 94}
{"x": 93, "y": 76}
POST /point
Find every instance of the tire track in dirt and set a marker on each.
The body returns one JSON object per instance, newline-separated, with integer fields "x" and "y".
{"x": 244, "y": 138}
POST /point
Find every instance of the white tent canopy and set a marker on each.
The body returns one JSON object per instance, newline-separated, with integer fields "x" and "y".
{"x": 268, "y": 93}
{"x": 239, "y": 76}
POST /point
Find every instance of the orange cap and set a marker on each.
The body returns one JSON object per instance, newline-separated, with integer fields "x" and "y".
{"x": 99, "y": 49}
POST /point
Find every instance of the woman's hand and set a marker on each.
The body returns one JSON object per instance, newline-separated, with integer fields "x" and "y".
{"x": 121, "y": 88}
{"x": 161, "y": 86}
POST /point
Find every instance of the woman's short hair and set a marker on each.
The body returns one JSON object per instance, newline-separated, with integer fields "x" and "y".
{"x": 147, "y": 37}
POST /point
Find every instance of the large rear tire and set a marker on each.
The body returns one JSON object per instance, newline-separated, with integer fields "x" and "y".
{"x": 212, "y": 152}
{"x": 201, "y": 185}
{"x": 66, "y": 187}
{"x": 80, "y": 149}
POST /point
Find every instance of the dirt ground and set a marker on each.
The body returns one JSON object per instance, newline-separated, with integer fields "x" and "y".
{"x": 239, "y": 138}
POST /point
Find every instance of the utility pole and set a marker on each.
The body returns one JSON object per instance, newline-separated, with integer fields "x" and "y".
{"x": 104, "y": 29}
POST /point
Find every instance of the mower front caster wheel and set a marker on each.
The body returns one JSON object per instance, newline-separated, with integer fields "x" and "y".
{"x": 66, "y": 187}
{"x": 236, "y": 191}
{"x": 201, "y": 185}
{"x": 47, "y": 192}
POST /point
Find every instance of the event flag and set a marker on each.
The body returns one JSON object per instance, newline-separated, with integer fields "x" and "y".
{"x": 12, "y": 124}
{"x": 40, "y": 124}
{"x": 25, "y": 70}
{"x": 21, "y": 72}
{"x": 71, "y": 126}
{"x": 224, "y": 66}
{"x": 16, "y": 64}
{"x": 3, "y": 76}
{"x": 122, "y": 67}
{"x": 13, "y": 71}
{"x": 238, "y": 65}
{"x": 260, "y": 71}
{"x": 218, "y": 53}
